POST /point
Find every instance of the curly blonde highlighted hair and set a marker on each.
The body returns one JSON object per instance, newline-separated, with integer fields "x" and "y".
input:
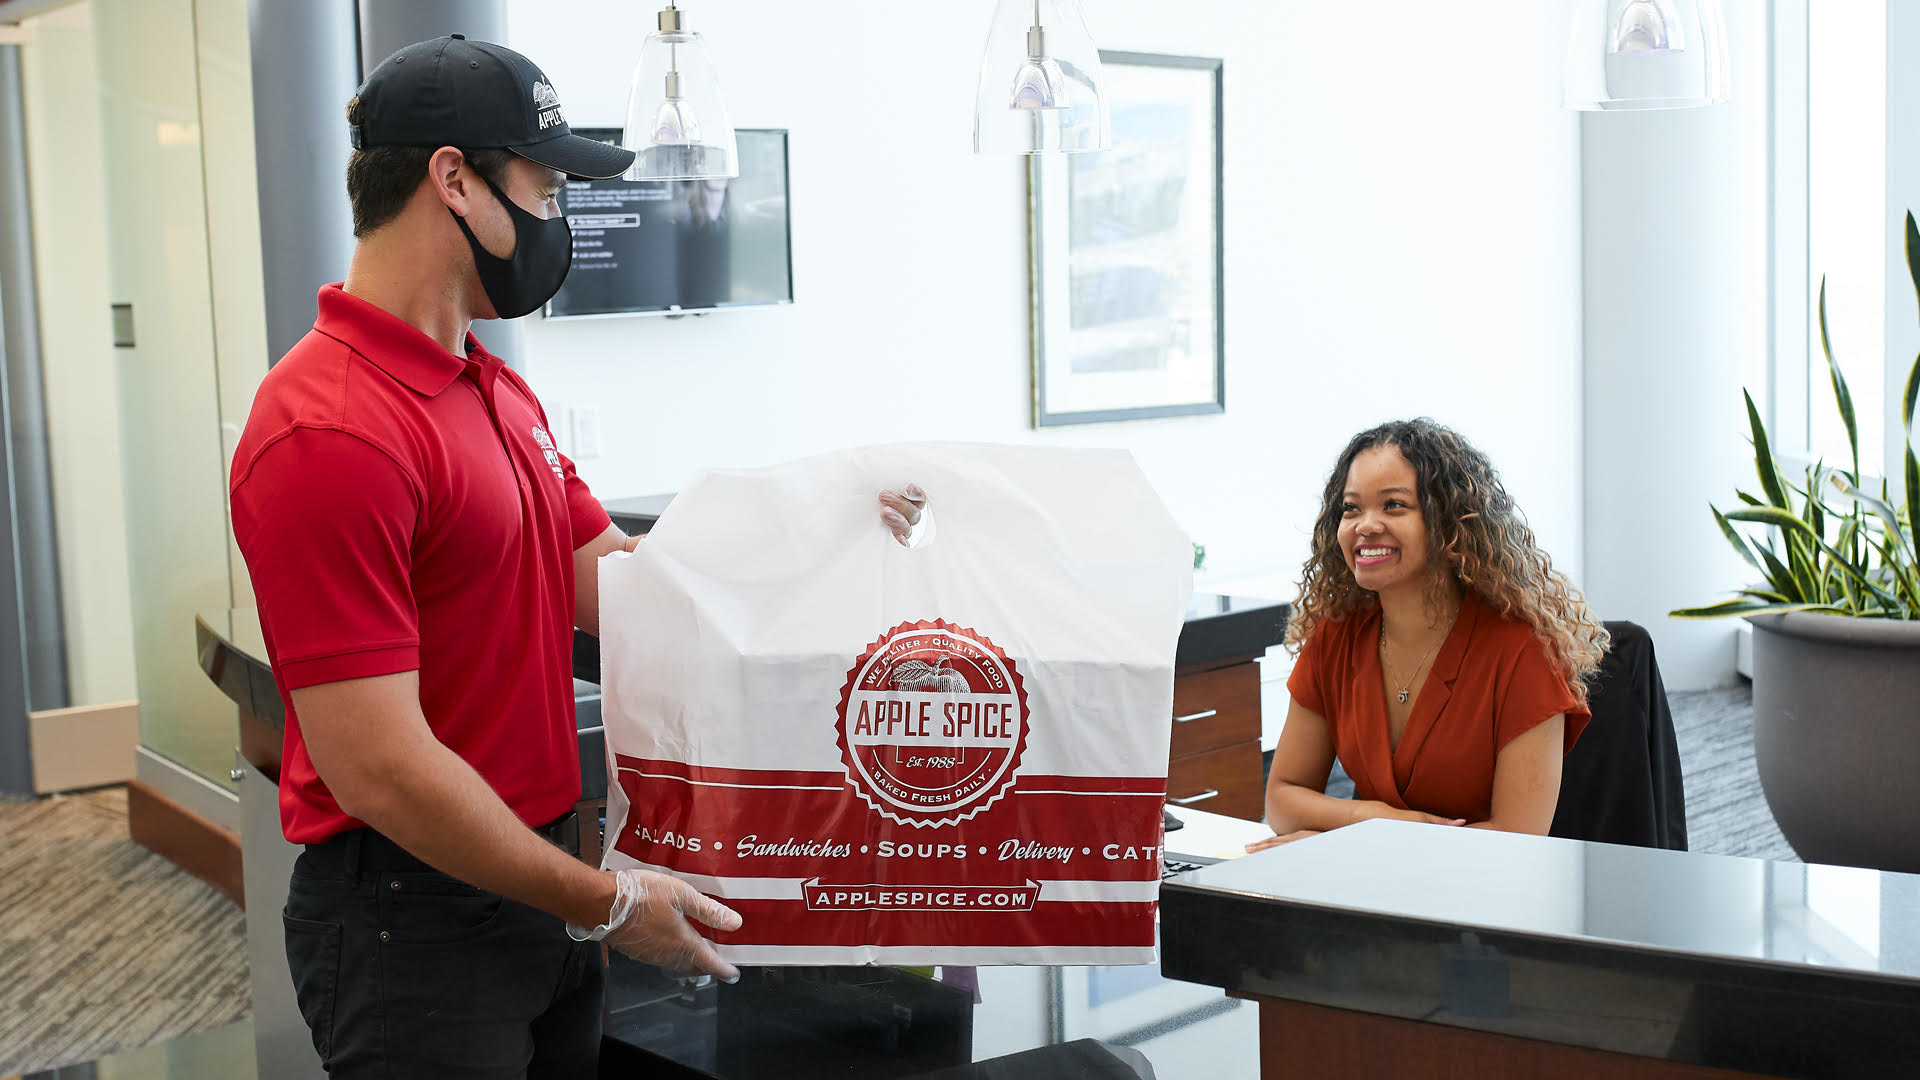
{"x": 1484, "y": 539}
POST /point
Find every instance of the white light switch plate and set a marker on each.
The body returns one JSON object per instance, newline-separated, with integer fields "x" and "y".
{"x": 586, "y": 431}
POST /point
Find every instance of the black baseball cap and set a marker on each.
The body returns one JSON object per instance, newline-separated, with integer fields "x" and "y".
{"x": 478, "y": 96}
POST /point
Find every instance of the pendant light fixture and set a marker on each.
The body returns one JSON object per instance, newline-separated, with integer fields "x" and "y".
{"x": 1040, "y": 82}
{"x": 1647, "y": 54}
{"x": 677, "y": 123}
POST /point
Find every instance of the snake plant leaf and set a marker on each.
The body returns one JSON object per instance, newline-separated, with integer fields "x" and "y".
{"x": 1739, "y": 542}
{"x": 1858, "y": 575}
{"x": 1748, "y": 606}
{"x": 1913, "y": 260}
{"x": 1913, "y": 495}
{"x": 1889, "y": 517}
{"x": 1906, "y": 398}
{"x": 1840, "y": 392}
{"x": 1780, "y": 577}
{"x": 1795, "y": 528}
{"x": 1766, "y": 595}
{"x": 1896, "y": 575}
{"x": 1770, "y": 482}
{"x": 1784, "y": 520}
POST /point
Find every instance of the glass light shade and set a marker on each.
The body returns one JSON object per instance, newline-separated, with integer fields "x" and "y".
{"x": 677, "y": 123}
{"x": 1040, "y": 92}
{"x": 1647, "y": 54}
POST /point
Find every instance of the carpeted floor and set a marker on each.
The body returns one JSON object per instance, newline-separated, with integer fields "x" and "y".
{"x": 1726, "y": 812}
{"x": 103, "y": 944}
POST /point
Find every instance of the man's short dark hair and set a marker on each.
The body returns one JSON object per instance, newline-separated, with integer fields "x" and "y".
{"x": 381, "y": 179}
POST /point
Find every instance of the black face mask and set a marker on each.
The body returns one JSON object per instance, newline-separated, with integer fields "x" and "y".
{"x": 542, "y": 255}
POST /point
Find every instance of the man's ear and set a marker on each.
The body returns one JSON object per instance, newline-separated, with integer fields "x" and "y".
{"x": 448, "y": 173}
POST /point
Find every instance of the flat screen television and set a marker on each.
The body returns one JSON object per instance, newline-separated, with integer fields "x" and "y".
{"x": 669, "y": 247}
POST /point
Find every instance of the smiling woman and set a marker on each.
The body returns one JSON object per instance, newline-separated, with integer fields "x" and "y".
{"x": 1442, "y": 659}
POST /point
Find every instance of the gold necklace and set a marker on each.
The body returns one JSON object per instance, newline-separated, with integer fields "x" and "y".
{"x": 1406, "y": 689}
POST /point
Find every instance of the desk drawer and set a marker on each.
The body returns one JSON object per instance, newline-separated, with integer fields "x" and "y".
{"x": 1216, "y": 708}
{"x": 1231, "y": 774}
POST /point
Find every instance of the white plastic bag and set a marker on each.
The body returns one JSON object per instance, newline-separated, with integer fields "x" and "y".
{"x": 954, "y": 754}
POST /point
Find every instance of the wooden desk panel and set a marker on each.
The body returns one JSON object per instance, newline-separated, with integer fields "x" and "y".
{"x": 1299, "y": 1040}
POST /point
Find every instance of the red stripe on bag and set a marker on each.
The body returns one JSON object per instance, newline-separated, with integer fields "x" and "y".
{"x": 741, "y": 832}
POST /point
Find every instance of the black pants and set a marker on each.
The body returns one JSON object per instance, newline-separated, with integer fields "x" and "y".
{"x": 402, "y": 971}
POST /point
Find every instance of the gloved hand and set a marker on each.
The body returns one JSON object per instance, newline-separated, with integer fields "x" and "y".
{"x": 902, "y": 511}
{"x": 649, "y": 923}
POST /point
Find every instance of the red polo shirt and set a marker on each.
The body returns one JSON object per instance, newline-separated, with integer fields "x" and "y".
{"x": 402, "y": 508}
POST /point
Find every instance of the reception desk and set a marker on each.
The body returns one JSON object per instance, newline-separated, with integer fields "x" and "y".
{"x": 1423, "y": 951}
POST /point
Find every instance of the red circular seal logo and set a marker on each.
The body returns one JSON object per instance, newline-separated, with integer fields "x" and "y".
{"x": 932, "y": 723}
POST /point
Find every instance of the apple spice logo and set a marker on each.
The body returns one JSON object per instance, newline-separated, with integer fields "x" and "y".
{"x": 548, "y": 451}
{"x": 932, "y": 723}
{"x": 547, "y": 103}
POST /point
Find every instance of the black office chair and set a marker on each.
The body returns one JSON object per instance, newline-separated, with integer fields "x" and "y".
{"x": 1621, "y": 784}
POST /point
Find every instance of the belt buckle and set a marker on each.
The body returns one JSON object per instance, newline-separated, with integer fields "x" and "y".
{"x": 564, "y": 833}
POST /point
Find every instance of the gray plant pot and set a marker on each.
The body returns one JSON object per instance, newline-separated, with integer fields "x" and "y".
{"x": 1836, "y": 736}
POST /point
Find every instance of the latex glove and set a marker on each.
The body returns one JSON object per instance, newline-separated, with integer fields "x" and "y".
{"x": 902, "y": 511}
{"x": 649, "y": 923}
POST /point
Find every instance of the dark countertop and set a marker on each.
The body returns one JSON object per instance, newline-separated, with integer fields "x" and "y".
{"x": 1778, "y": 968}
{"x": 636, "y": 515}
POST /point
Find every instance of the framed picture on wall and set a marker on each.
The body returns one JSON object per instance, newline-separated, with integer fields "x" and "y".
{"x": 1125, "y": 253}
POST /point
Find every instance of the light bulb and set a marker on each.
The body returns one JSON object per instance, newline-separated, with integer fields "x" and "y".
{"x": 1646, "y": 26}
{"x": 674, "y": 124}
{"x": 1037, "y": 85}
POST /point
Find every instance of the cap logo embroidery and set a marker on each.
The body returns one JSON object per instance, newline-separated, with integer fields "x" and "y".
{"x": 548, "y": 102}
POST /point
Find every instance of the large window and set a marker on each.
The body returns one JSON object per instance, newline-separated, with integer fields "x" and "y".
{"x": 1841, "y": 188}
{"x": 1849, "y": 226}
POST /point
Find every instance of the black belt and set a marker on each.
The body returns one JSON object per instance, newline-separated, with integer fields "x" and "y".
{"x": 563, "y": 832}
{"x": 363, "y": 850}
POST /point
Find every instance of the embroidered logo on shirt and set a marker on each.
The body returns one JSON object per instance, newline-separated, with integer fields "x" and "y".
{"x": 546, "y": 447}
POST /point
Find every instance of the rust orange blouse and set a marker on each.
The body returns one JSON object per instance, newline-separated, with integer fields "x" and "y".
{"x": 1490, "y": 682}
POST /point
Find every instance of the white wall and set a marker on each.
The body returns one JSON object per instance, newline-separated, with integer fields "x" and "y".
{"x": 1676, "y": 265}
{"x": 1402, "y": 201}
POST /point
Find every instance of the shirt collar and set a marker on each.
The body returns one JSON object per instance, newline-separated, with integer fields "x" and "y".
{"x": 392, "y": 344}
{"x": 1453, "y": 652}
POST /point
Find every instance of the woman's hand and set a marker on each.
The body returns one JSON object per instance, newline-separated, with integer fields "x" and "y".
{"x": 1371, "y": 809}
{"x": 1276, "y": 841}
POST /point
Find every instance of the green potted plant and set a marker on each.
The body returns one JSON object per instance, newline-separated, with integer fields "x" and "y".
{"x": 1836, "y": 643}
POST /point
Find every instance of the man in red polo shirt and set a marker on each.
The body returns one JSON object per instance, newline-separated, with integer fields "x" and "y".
{"x": 421, "y": 554}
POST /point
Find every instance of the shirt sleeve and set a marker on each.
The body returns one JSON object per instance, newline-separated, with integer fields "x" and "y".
{"x": 326, "y": 522}
{"x": 1535, "y": 694}
{"x": 584, "y": 512}
{"x": 1307, "y": 682}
